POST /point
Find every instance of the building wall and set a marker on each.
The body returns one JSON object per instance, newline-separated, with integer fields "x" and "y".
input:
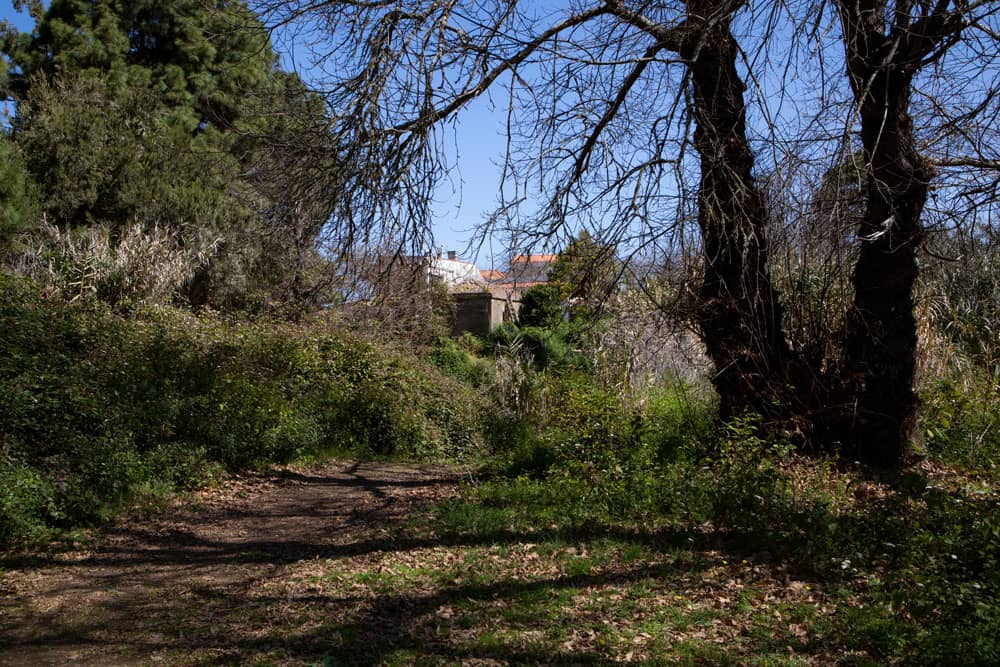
{"x": 482, "y": 312}
{"x": 452, "y": 271}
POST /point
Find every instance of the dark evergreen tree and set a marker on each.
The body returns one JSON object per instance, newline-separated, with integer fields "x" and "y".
{"x": 586, "y": 272}
{"x": 194, "y": 56}
{"x": 16, "y": 193}
{"x": 541, "y": 306}
{"x": 166, "y": 114}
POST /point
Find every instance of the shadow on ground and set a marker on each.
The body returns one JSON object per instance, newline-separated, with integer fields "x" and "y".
{"x": 229, "y": 581}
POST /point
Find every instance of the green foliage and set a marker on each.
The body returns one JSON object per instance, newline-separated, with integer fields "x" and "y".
{"x": 749, "y": 485}
{"x": 173, "y": 117}
{"x": 547, "y": 347}
{"x": 591, "y": 419}
{"x": 580, "y": 429}
{"x": 584, "y": 274}
{"x": 910, "y": 564}
{"x": 97, "y": 408}
{"x": 195, "y": 56}
{"x": 965, "y": 303}
{"x": 17, "y": 204}
{"x": 960, "y": 389}
{"x": 586, "y": 271}
{"x": 677, "y": 418}
{"x": 27, "y": 502}
{"x": 961, "y": 418}
{"x": 541, "y": 306}
{"x": 458, "y": 359}
{"x": 109, "y": 153}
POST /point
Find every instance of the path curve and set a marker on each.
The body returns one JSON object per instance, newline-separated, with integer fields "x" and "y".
{"x": 201, "y": 583}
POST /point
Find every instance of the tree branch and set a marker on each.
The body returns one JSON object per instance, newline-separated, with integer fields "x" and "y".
{"x": 975, "y": 163}
{"x": 666, "y": 37}
{"x": 509, "y": 64}
{"x": 640, "y": 66}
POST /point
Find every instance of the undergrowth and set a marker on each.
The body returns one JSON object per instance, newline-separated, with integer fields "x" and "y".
{"x": 911, "y": 564}
{"x": 910, "y": 561}
{"x": 98, "y": 409}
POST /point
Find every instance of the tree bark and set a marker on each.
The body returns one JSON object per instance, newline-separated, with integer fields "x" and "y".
{"x": 878, "y": 423}
{"x": 740, "y": 314}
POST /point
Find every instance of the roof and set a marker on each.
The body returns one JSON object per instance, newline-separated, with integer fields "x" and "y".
{"x": 527, "y": 270}
{"x": 491, "y": 274}
{"x": 521, "y": 259}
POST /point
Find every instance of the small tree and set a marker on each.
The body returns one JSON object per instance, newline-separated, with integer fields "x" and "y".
{"x": 586, "y": 272}
{"x": 542, "y": 306}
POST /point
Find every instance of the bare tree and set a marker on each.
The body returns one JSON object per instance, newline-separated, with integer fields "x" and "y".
{"x": 605, "y": 101}
{"x": 886, "y": 46}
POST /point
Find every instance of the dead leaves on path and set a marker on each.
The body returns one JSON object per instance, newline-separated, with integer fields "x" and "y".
{"x": 375, "y": 587}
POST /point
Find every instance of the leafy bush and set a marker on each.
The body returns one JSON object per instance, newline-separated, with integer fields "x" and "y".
{"x": 17, "y": 201}
{"x": 96, "y": 407}
{"x": 677, "y": 417}
{"x": 546, "y": 347}
{"x": 541, "y": 306}
{"x": 962, "y": 420}
{"x": 27, "y": 502}
{"x": 457, "y": 359}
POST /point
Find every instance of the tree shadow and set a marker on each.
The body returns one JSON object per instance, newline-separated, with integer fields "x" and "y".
{"x": 157, "y": 586}
{"x": 385, "y": 625}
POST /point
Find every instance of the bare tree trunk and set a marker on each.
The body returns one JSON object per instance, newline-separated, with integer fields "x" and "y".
{"x": 883, "y": 53}
{"x": 740, "y": 315}
{"x": 882, "y": 332}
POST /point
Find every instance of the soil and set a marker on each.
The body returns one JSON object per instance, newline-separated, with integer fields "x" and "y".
{"x": 206, "y": 581}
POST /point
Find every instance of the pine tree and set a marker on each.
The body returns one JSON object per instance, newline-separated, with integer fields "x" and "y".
{"x": 162, "y": 113}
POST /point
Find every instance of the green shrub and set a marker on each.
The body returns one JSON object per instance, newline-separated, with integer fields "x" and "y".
{"x": 27, "y": 503}
{"x": 516, "y": 447}
{"x": 549, "y": 348}
{"x": 676, "y": 418}
{"x": 456, "y": 359}
{"x": 962, "y": 421}
{"x": 18, "y": 203}
{"x": 97, "y": 408}
{"x": 541, "y": 306}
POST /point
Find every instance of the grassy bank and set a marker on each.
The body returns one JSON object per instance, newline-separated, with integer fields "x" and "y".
{"x": 98, "y": 409}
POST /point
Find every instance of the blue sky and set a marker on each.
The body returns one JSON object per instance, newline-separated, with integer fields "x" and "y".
{"x": 21, "y": 20}
{"x": 480, "y": 142}
{"x": 477, "y": 133}
{"x": 477, "y": 136}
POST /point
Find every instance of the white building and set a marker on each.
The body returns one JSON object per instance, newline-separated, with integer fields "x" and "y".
{"x": 450, "y": 270}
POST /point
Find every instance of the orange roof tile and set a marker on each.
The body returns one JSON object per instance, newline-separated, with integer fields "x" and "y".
{"x": 491, "y": 274}
{"x": 519, "y": 284}
{"x": 520, "y": 259}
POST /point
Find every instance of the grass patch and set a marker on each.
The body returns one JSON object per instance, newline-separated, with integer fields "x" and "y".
{"x": 832, "y": 566}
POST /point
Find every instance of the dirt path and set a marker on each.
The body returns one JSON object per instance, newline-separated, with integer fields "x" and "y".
{"x": 206, "y": 583}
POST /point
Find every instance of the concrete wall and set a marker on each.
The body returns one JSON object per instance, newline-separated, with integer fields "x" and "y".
{"x": 482, "y": 312}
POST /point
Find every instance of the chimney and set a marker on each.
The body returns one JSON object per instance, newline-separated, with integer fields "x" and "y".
{"x": 452, "y": 255}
